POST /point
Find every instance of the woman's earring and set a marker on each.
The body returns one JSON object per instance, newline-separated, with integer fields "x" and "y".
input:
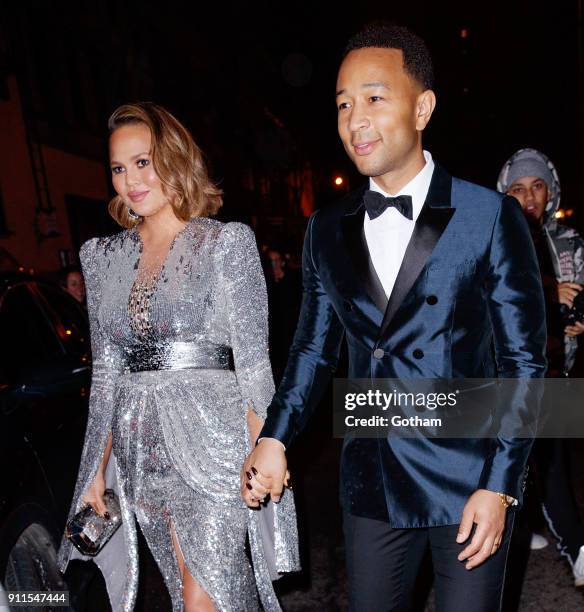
{"x": 132, "y": 214}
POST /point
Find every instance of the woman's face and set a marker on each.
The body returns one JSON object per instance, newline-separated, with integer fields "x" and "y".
{"x": 76, "y": 286}
{"x": 133, "y": 175}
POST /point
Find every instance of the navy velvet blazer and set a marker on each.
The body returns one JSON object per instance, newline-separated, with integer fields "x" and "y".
{"x": 469, "y": 282}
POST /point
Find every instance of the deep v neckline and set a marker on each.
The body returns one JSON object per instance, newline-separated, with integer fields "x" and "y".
{"x": 145, "y": 286}
{"x": 151, "y": 276}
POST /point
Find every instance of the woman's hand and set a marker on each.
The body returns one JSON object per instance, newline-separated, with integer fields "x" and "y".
{"x": 254, "y": 485}
{"x": 94, "y": 494}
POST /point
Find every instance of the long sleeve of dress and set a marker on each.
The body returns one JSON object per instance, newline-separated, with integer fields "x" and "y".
{"x": 107, "y": 364}
{"x": 272, "y": 531}
{"x": 247, "y": 311}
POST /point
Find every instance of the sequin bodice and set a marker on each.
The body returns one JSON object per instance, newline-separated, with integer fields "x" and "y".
{"x": 145, "y": 284}
{"x": 191, "y": 297}
{"x": 139, "y": 305}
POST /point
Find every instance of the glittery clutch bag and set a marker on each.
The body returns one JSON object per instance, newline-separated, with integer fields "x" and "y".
{"x": 89, "y": 532}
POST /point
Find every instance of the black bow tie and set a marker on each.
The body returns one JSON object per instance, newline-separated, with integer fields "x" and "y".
{"x": 376, "y": 204}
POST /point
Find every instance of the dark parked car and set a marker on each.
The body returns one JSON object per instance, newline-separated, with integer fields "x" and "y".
{"x": 44, "y": 387}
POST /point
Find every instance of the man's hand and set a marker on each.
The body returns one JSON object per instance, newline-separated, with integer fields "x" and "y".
{"x": 264, "y": 471}
{"x": 567, "y": 292}
{"x": 574, "y": 330}
{"x": 486, "y": 510}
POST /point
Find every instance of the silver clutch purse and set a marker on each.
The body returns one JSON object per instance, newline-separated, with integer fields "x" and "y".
{"x": 89, "y": 532}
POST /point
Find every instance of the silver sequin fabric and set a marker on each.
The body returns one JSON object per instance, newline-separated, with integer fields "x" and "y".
{"x": 179, "y": 426}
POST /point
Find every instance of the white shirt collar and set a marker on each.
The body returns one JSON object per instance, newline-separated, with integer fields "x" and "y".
{"x": 418, "y": 187}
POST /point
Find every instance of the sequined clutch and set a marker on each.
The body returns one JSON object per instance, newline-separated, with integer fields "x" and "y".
{"x": 89, "y": 532}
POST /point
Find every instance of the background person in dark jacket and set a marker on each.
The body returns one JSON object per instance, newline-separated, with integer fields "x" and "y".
{"x": 284, "y": 293}
{"x": 532, "y": 179}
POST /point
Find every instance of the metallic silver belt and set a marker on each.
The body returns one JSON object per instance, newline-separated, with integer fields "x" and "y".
{"x": 176, "y": 356}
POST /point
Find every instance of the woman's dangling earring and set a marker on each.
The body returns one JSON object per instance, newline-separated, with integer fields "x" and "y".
{"x": 132, "y": 214}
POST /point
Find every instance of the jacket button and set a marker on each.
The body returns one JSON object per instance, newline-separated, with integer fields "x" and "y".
{"x": 348, "y": 306}
{"x": 378, "y": 353}
{"x": 418, "y": 353}
{"x": 431, "y": 299}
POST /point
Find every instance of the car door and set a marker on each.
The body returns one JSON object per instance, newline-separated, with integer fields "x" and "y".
{"x": 43, "y": 391}
{"x": 68, "y": 382}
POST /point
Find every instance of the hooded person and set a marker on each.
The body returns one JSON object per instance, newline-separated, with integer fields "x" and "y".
{"x": 531, "y": 178}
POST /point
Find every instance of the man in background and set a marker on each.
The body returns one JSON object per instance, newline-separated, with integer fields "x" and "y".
{"x": 531, "y": 178}
{"x": 284, "y": 292}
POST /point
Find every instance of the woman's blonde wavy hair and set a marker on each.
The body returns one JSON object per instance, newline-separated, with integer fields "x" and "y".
{"x": 177, "y": 161}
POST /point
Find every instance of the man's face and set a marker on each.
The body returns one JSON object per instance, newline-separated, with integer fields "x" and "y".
{"x": 533, "y": 195}
{"x": 378, "y": 111}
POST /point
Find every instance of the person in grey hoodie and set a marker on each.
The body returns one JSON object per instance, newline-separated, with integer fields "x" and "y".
{"x": 531, "y": 178}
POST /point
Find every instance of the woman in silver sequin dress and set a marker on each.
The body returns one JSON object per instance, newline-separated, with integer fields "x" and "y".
{"x": 172, "y": 300}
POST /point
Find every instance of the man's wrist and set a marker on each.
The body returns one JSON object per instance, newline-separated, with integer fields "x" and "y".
{"x": 506, "y": 500}
{"x": 274, "y": 439}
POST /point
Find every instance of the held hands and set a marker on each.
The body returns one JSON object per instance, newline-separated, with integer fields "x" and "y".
{"x": 93, "y": 496}
{"x": 264, "y": 471}
{"x": 486, "y": 510}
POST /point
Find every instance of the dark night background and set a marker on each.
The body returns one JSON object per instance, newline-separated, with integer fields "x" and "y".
{"x": 255, "y": 84}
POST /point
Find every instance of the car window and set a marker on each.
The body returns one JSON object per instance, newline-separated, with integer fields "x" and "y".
{"x": 69, "y": 318}
{"x": 26, "y": 335}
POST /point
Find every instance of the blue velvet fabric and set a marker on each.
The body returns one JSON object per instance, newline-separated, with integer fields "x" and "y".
{"x": 472, "y": 252}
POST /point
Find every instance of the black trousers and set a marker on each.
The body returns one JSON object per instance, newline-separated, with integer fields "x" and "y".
{"x": 383, "y": 563}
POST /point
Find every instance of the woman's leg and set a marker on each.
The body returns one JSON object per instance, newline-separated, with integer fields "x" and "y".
{"x": 195, "y": 598}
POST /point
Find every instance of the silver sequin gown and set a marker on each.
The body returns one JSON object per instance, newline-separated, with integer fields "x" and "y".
{"x": 163, "y": 387}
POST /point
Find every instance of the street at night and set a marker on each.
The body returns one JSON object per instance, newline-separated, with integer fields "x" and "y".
{"x": 208, "y": 211}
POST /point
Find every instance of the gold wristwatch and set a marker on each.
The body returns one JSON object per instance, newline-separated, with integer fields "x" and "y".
{"x": 506, "y": 500}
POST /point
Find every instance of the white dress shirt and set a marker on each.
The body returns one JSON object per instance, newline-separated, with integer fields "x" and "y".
{"x": 388, "y": 235}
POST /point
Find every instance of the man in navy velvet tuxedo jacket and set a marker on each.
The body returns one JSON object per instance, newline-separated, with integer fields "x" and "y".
{"x": 421, "y": 286}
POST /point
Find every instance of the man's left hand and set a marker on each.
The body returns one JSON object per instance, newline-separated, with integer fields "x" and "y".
{"x": 574, "y": 330}
{"x": 486, "y": 510}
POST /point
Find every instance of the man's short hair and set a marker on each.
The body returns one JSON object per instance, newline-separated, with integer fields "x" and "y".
{"x": 417, "y": 60}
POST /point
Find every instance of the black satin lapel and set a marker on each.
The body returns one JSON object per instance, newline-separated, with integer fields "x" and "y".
{"x": 354, "y": 236}
{"x": 372, "y": 283}
{"x": 430, "y": 225}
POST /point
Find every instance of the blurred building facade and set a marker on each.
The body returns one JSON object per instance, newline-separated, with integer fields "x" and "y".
{"x": 63, "y": 72}
{"x": 47, "y": 194}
